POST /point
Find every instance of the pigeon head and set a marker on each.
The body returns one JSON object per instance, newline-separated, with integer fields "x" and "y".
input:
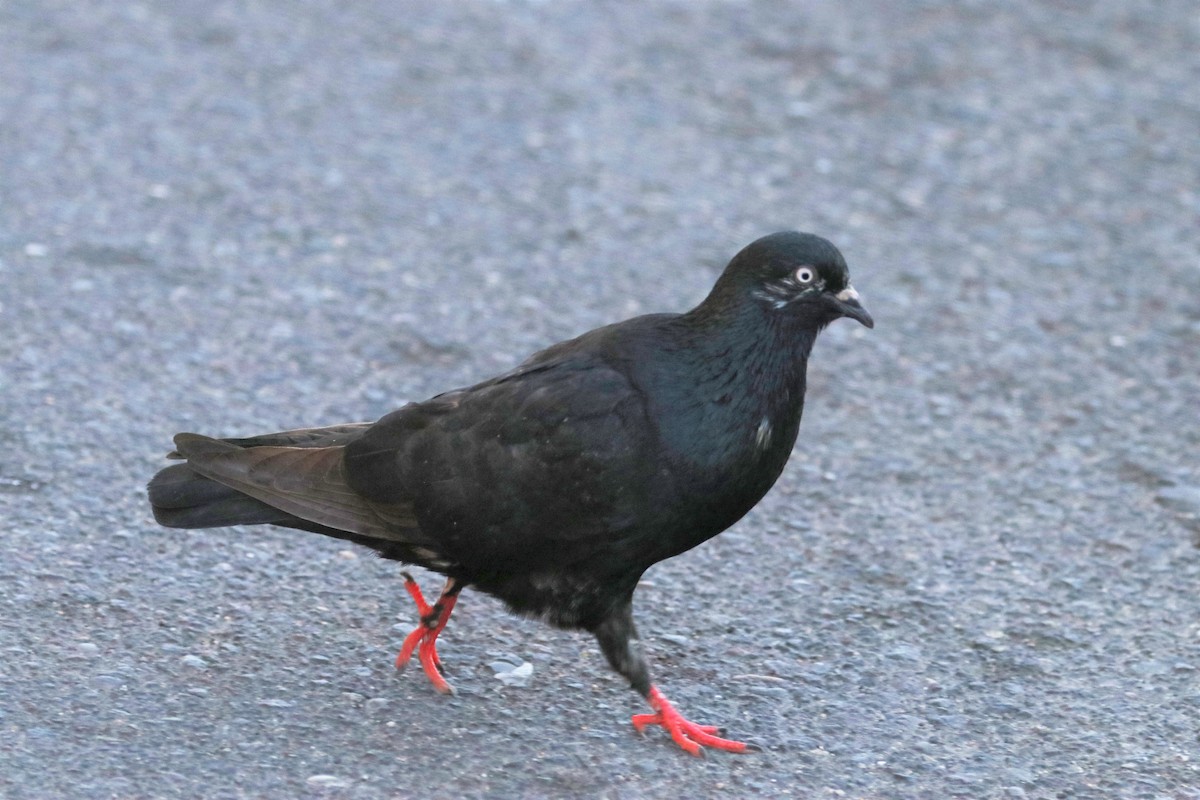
{"x": 794, "y": 274}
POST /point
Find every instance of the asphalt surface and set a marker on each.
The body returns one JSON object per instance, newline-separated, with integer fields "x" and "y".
{"x": 977, "y": 578}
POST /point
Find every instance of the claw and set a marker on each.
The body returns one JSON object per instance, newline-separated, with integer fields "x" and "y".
{"x": 688, "y": 735}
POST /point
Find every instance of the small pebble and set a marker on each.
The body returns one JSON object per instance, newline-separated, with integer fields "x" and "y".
{"x": 274, "y": 702}
{"x": 377, "y": 705}
{"x": 1183, "y": 499}
{"x": 107, "y": 681}
{"x": 508, "y": 659}
{"x": 513, "y": 676}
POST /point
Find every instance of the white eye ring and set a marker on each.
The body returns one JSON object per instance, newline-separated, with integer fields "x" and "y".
{"x": 806, "y": 275}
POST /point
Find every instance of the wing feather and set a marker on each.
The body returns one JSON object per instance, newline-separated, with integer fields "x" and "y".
{"x": 567, "y": 442}
{"x": 306, "y": 482}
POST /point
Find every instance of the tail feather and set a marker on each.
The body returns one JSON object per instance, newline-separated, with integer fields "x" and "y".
{"x": 300, "y": 484}
{"x": 182, "y": 498}
{"x": 295, "y": 479}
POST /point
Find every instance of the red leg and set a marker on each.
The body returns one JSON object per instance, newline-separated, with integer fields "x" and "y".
{"x": 414, "y": 638}
{"x": 423, "y": 639}
{"x": 428, "y": 653}
{"x": 688, "y": 735}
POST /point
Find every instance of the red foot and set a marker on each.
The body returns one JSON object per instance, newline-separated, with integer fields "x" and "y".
{"x": 433, "y": 619}
{"x": 688, "y": 735}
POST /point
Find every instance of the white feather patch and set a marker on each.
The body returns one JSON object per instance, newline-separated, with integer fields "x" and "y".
{"x": 762, "y": 436}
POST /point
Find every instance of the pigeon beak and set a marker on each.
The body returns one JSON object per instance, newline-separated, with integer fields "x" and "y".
{"x": 847, "y": 303}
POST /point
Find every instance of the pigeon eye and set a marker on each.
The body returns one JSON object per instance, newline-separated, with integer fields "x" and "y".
{"x": 805, "y": 275}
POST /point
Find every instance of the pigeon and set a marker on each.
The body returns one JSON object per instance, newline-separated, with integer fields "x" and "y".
{"x": 554, "y": 486}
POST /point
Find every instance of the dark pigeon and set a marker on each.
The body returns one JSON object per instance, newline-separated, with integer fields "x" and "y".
{"x": 555, "y": 486}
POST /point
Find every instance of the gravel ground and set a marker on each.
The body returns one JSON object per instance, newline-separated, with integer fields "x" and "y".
{"x": 978, "y": 576}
